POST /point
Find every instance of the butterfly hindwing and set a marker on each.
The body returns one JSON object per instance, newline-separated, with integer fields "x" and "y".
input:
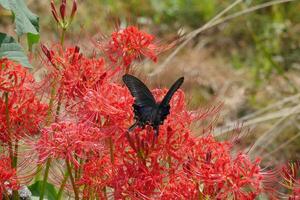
{"x": 143, "y": 96}
{"x": 166, "y": 100}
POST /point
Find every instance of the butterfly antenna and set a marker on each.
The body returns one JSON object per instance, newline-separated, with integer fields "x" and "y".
{"x": 132, "y": 127}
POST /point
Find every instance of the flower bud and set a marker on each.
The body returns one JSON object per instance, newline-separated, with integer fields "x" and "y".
{"x": 46, "y": 52}
{"x": 53, "y": 10}
{"x": 63, "y": 9}
{"x": 77, "y": 49}
{"x": 74, "y": 9}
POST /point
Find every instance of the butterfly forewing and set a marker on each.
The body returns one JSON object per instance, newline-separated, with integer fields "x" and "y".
{"x": 166, "y": 100}
{"x": 142, "y": 95}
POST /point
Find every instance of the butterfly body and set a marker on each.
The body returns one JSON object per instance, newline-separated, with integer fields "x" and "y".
{"x": 146, "y": 110}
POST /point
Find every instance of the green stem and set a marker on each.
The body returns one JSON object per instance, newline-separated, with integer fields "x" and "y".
{"x": 72, "y": 180}
{"x": 15, "y": 158}
{"x": 63, "y": 34}
{"x": 104, "y": 192}
{"x": 111, "y": 149}
{"x": 45, "y": 179}
{"x": 62, "y": 186}
{"x": 140, "y": 155}
{"x": 79, "y": 171}
{"x": 58, "y": 107}
{"x": 170, "y": 164}
{"x": 15, "y": 195}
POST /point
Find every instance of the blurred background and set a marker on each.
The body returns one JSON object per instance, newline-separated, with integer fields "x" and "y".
{"x": 248, "y": 59}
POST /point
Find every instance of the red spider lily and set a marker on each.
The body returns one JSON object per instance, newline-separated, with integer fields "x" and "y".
{"x": 12, "y": 75}
{"x": 97, "y": 175}
{"x": 21, "y": 112}
{"x": 75, "y": 73}
{"x": 107, "y": 106}
{"x": 135, "y": 180}
{"x": 222, "y": 175}
{"x": 291, "y": 180}
{"x": 68, "y": 141}
{"x": 129, "y": 44}
{"x": 79, "y": 76}
{"x": 8, "y": 177}
{"x": 25, "y": 112}
{"x": 60, "y": 58}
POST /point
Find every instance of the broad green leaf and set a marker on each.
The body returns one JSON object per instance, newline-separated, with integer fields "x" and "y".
{"x": 50, "y": 191}
{"x": 26, "y": 21}
{"x": 32, "y": 39}
{"x": 10, "y": 49}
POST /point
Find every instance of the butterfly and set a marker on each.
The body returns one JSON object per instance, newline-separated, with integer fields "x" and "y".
{"x": 146, "y": 110}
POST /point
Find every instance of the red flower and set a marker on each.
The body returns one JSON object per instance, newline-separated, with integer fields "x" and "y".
{"x": 129, "y": 44}
{"x": 291, "y": 180}
{"x": 108, "y": 105}
{"x": 75, "y": 73}
{"x": 8, "y": 177}
{"x": 66, "y": 140}
{"x": 78, "y": 77}
{"x": 21, "y": 112}
{"x": 97, "y": 175}
{"x": 25, "y": 112}
{"x": 12, "y": 75}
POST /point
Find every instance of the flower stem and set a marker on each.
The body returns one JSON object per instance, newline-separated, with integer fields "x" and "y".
{"x": 63, "y": 34}
{"x": 15, "y": 158}
{"x": 72, "y": 180}
{"x": 111, "y": 149}
{"x": 79, "y": 170}
{"x": 63, "y": 184}
{"x": 58, "y": 107}
{"x": 45, "y": 179}
{"x": 104, "y": 192}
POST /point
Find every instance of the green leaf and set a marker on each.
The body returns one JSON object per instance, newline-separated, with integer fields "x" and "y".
{"x": 26, "y": 21}
{"x": 50, "y": 191}
{"x": 32, "y": 39}
{"x": 10, "y": 49}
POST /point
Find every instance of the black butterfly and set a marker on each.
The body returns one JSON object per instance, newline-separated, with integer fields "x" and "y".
{"x": 146, "y": 110}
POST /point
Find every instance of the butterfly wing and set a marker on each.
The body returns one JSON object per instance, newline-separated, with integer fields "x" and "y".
{"x": 166, "y": 100}
{"x": 143, "y": 96}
